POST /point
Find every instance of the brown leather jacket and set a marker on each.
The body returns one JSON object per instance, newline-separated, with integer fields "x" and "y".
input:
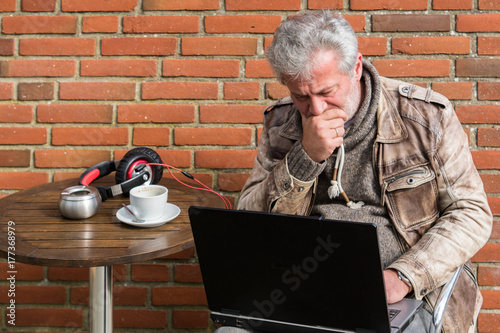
{"x": 432, "y": 191}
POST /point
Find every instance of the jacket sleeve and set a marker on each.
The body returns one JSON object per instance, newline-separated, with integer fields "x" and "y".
{"x": 465, "y": 220}
{"x": 271, "y": 187}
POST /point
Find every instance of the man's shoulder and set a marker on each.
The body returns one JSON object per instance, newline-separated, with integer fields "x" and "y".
{"x": 401, "y": 89}
{"x": 282, "y": 102}
{"x": 279, "y": 112}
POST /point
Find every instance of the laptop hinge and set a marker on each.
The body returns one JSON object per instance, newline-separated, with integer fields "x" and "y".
{"x": 230, "y": 312}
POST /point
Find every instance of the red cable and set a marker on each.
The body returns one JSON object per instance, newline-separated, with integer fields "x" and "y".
{"x": 226, "y": 201}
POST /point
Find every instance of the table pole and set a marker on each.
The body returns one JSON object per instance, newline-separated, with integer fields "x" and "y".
{"x": 101, "y": 299}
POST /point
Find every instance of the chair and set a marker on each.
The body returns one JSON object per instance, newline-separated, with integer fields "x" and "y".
{"x": 442, "y": 302}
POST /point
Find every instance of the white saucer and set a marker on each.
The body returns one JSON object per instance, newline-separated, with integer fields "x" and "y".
{"x": 171, "y": 212}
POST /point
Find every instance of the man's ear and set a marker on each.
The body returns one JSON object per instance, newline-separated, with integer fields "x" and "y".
{"x": 358, "y": 67}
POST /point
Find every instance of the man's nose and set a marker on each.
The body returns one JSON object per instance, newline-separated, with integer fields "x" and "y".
{"x": 317, "y": 105}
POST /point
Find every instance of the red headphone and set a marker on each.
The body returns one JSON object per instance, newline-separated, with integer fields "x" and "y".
{"x": 139, "y": 166}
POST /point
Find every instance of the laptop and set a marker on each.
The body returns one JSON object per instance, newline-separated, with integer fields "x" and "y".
{"x": 288, "y": 273}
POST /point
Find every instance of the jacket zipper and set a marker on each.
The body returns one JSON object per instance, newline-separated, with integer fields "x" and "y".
{"x": 393, "y": 179}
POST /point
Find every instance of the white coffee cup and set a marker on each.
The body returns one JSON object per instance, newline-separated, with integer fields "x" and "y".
{"x": 148, "y": 201}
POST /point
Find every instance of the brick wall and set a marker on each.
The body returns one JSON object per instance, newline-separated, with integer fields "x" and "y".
{"x": 84, "y": 81}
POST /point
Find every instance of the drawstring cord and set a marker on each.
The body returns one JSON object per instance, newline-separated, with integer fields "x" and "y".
{"x": 336, "y": 190}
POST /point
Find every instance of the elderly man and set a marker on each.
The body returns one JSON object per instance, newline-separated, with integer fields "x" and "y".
{"x": 351, "y": 145}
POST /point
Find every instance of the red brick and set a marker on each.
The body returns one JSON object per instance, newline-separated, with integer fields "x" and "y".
{"x": 38, "y": 5}
{"x": 35, "y": 294}
{"x": 489, "y": 276}
{"x": 92, "y": 136}
{"x": 155, "y": 113}
{"x": 7, "y": 46}
{"x": 225, "y": 159}
{"x": 488, "y": 91}
{"x": 38, "y": 67}
{"x": 59, "y": 24}
{"x": 74, "y": 113}
{"x": 219, "y": 46}
{"x": 150, "y": 272}
{"x": 69, "y": 158}
{"x": 201, "y": 68}
{"x": 275, "y": 90}
{"x": 325, "y": 4}
{"x": 491, "y": 183}
{"x": 190, "y": 319}
{"x": 488, "y": 137}
{"x": 16, "y": 158}
{"x": 410, "y": 22}
{"x": 16, "y": 113}
{"x": 263, "y": 5}
{"x": 232, "y": 182}
{"x": 159, "y": 46}
{"x": 489, "y": 253}
{"x": 474, "y": 67}
{"x": 24, "y": 272}
{"x": 431, "y": 45}
{"x": 178, "y": 296}
{"x": 212, "y": 136}
{"x": 59, "y": 317}
{"x": 258, "y": 69}
{"x": 479, "y": 114}
{"x": 98, "y": 5}
{"x": 241, "y": 90}
{"x": 64, "y": 175}
{"x": 113, "y": 67}
{"x": 97, "y": 91}
{"x": 187, "y": 273}
{"x": 372, "y": 45}
{"x": 130, "y": 295}
{"x": 491, "y": 299}
{"x": 6, "y": 90}
{"x": 105, "y": 24}
{"x": 489, "y": 4}
{"x": 413, "y": 67}
{"x": 357, "y": 22}
{"x": 57, "y": 46}
{"x": 488, "y": 45}
{"x": 8, "y": 6}
{"x": 151, "y": 136}
{"x": 452, "y": 4}
{"x": 488, "y": 322}
{"x": 454, "y": 90}
{"x": 486, "y": 159}
{"x": 165, "y": 24}
{"x": 139, "y": 319}
{"x": 23, "y": 135}
{"x": 242, "y": 23}
{"x": 35, "y": 91}
{"x": 68, "y": 273}
{"x": 478, "y": 22}
{"x": 180, "y": 5}
{"x": 388, "y": 5}
{"x": 249, "y": 114}
{"x": 180, "y": 90}
{"x": 22, "y": 180}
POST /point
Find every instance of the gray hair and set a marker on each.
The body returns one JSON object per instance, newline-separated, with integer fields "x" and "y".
{"x": 301, "y": 36}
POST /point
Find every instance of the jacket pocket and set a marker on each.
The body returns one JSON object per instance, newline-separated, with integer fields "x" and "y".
{"x": 412, "y": 197}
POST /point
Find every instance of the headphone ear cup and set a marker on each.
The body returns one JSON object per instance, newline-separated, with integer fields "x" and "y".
{"x": 135, "y": 155}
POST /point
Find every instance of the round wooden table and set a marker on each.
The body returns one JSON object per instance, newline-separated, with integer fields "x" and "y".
{"x": 42, "y": 236}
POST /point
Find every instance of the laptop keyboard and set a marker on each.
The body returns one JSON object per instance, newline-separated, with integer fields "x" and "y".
{"x": 393, "y": 313}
